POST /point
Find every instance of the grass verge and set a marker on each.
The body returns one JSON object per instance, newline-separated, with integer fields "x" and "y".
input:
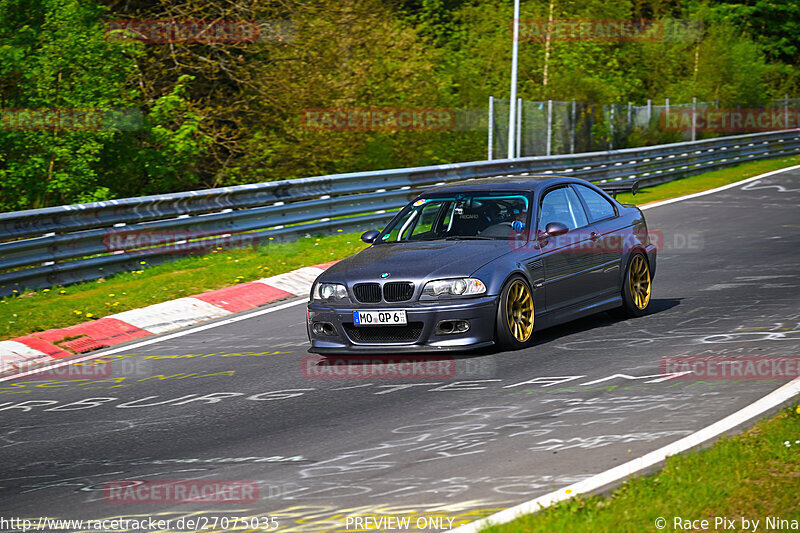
{"x": 754, "y": 476}
{"x": 707, "y": 180}
{"x": 65, "y": 306}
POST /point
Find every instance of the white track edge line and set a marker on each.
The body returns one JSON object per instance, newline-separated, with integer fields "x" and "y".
{"x": 718, "y": 189}
{"x": 617, "y": 473}
{"x": 159, "y": 338}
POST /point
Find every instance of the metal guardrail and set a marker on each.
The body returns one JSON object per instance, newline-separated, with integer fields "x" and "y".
{"x": 72, "y": 243}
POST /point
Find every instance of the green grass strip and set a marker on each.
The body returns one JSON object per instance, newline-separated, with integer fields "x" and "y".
{"x": 707, "y": 180}
{"x": 65, "y": 306}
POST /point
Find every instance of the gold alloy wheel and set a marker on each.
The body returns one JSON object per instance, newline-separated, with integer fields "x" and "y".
{"x": 519, "y": 311}
{"x": 639, "y": 281}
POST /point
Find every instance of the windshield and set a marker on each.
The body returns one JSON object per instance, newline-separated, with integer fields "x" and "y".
{"x": 463, "y": 216}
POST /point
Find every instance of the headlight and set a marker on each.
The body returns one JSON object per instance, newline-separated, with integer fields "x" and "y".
{"x": 454, "y": 287}
{"x": 329, "y": 291}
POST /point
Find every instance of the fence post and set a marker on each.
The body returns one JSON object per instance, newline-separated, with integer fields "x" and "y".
{"x": 629, "y": 116}
{"x": 549, "y": 126}
{"x": 519, "y": 128}
{"x": 591, "y": 127}
{"x": 611, "y": 137}
{"x": 574, "y": 124}
{"x": 491, "y": 127}
{"x": 649, "y": 112}
{"x": 694, "y": 118}
{"x": 667, "y": 113}
{"x": 786, "y": 111}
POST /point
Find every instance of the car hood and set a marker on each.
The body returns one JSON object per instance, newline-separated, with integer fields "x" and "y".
{"x": 417, "y": 261}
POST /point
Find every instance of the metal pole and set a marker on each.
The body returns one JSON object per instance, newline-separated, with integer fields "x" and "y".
{"x": 649, "y": 112}
{"x": 666, "y": 121}
{"x": 519, "y": 127}
{"x": 786, "y": 111}
{"x": 574, "y": 124}
{"x": 629, "y": 116}
{"x": 491, "y": 127}
{"x": 611, "y": 137}
{"x": 513, "y": 98}
{"x": 549, "y": 126}
{"x": 694, "y": 115}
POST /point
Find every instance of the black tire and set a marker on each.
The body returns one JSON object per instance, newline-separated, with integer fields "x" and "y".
{"x": 504, "y": 335}
{"x": 636, "y": 290}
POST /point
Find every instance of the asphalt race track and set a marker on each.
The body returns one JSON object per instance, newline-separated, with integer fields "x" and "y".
{"x": 502, "y": 429}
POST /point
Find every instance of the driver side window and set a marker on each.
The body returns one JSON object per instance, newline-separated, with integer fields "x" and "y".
{"x": 562, "y": 205}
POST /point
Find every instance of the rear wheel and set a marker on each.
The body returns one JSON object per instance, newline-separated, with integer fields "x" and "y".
{"x": 514, "y": 323}
{"x": 636, "y": 286}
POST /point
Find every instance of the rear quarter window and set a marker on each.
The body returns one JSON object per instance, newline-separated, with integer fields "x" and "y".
{"x": 599, "y": 207}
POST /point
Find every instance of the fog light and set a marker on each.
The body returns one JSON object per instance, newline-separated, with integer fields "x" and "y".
{"x": 448, "y": 327}
{"x": 324, "y": 328}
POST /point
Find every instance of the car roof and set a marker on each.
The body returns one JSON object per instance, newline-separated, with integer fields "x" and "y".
{"x": 532, "y": 182}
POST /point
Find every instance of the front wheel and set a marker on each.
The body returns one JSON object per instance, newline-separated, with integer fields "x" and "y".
{"x": 514, "y": 323}
{"x": 636, "y": 286}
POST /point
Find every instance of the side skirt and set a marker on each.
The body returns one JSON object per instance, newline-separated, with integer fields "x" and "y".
{"x": 575, "y": 312}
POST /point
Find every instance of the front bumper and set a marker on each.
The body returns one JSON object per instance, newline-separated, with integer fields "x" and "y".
{"x": 422, "y": 317}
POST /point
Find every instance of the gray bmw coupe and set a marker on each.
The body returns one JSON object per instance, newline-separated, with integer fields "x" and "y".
{"x": 482, "y": 262}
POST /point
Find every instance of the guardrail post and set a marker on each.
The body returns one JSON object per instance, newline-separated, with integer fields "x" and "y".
{"x": 549, "y": 126}
{"x": 694, "y": 117}
{"x": 491, "y": 128}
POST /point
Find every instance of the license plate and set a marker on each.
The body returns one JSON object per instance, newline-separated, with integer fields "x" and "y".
{"x": 379, "y": 318}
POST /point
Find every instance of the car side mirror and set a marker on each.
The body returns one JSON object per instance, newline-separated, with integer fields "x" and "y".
{"x": 370, "y": 236}
{"x": 554, "y": 229}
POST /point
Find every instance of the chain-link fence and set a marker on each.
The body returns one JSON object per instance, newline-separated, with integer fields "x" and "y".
{"x": 556, "y": 127}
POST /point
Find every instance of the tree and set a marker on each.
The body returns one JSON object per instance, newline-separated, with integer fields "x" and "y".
{"x": 55, "y": 58}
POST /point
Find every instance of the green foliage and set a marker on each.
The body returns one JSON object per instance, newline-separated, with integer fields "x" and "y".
{"x": 223, "y": 113}
{"x": 724, "y": 66}
{"x": 55, "y": 57}
{"x": 161, "y": 157}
